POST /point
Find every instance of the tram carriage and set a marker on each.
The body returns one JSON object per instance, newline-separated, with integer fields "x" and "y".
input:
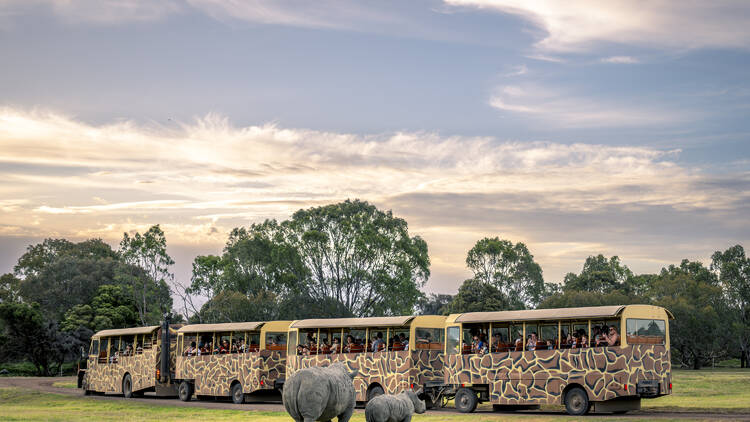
{"x": 131, "y": 361}
{"x": 254, "y": 361}
{"x": 512, "y": 374}
{"x": 409, "y": 357}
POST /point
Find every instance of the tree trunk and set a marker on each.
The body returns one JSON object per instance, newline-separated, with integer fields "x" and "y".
{"x": 743, "y": 359}
{"x": 697, "y": 363}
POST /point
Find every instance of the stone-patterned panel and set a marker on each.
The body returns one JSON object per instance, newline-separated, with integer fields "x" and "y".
{"x": 107, "y": 377}
{"x": 540, "y": 377}
{"x": 395, "y": 371}
{"x": 213, "y": 374}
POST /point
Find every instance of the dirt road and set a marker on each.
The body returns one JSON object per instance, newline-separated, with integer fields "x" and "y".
{"x": 273, "y": 403}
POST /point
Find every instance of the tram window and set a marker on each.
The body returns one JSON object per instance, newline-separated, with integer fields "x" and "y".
{"x": 126, "y": 346}
{"x": 253, "y": 341}
{"x": 500, "y": 341}
{"x": 547, "y": 337}
{"x": 324, "y": 342}
{"x": 646, "y": 331}
{"x": 580, "y": 335}
{"x": 292, "y": 345}
{"x": 275, "y": 341}
{"x": 399, "y": 340}
{"x": 516, "y": 332}
{"x": 94, "y": 349}
{"x": 336, "y": 342}
{"x": 102, "y": 352}
{"x": 453, "y": 340}
{"x": 239, "y": 344}
{"x": 223, "y": 343}
{"x": 309, "y": 339}
{"x": 114, "y": 349}
{"x": 354, "y": 341}
{"x": 379, "y": 335}
{"x": 532, "y": 331}
{"x": 429, "y": 338}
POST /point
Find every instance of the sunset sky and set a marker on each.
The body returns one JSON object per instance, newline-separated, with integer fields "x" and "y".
{"x": 577, "y": 127}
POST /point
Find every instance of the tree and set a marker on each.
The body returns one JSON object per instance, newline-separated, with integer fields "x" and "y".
{"x": 576, "y": 299}
{"x": 359, "y": 256}
{"x": 599, "y": 274}
{"x": 112, "y": 307}
{"x": 510, "y": 268}
{"x": 10, "y": 288}
{"x": 478, "y": 296}
{"x": 733, "y": 269}
{"x": 434, "y": 304}
{"x": 59, "y": 274}
{"x": 148, "y": 252}
{"x": 692, "y": 293}
{"x": 33, "y": 337}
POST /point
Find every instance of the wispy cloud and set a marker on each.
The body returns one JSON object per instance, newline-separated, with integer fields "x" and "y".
{"x": 209, "y": 176}
{"x": 620, "y": 60}
{"x": 578, "y": 25}
{"x": 565, "y": 109}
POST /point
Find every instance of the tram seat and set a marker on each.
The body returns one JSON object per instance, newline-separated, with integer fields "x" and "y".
{"x": 466, "y": 349}
{"x": 397, "y": 347}
{"x": 275, "y": 347}
{"x": 436, "y": 346}
{"x": 519, "y": 347}
{"x": 541, "y": 345}
{"x": 253, "y": 348}
{"x": 356, "y": 348}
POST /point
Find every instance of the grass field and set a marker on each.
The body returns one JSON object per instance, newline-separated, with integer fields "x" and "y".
{"x": 707, "y": 390}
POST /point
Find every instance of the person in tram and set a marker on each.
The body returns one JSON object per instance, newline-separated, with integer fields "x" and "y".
{"x": 378, "y": 342}
{"x": 335, "y": 346}
{"x": 531, "y": 344}
{"x": 402, "y": 339}
{"x": 349, "y": 344}
{"x": 128, "y": 350}
{"x": 613, "y": 339}
{"x": 190, "y": 351}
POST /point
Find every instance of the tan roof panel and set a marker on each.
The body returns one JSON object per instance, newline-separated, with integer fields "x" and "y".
{"x": 538, "y": 314}
{"x": 227, "y": 326}
{"x": 126, "y": 331}
{"x": 394, "y": 321}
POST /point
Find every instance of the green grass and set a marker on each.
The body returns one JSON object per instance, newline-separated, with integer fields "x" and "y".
{"x": 724, "y": 390}
{"x": 27, "y": 369}
{"x": 719, "y": 390}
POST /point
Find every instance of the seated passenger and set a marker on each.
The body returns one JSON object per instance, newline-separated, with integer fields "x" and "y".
{"x": 224, "y": 348}
{"x": 335, "y": 346}
{"x": 378, "y": 342}
{"x": 300, "y": 350}
{"x": 402, "y": 339}
{"x": 190, "y": 351}
{"x": 203, "y": 350}
{"x": 349, "y": 344}
{"x": 497, "y": 342}
{"x": 531, "y": 344}
{"x": 129, "y": 350}
{"x": 583, "y": 339}
{"x": 613, "y": 339}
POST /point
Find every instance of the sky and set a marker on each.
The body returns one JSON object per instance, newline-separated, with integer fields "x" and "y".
{"x": 577, "y": 127}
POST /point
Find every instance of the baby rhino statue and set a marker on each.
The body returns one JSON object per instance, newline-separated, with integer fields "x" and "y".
{"x": 320, "y": 394}
{"x": 398, "y": 408}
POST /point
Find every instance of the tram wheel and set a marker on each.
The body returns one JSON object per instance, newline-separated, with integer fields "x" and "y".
{"x": 238, "y": 397}
{"x": 127, "y": 386}
{"x": 185, "y": 391}
{"x": 576, "y": 402}
{"x": 374, "y": 392}
{"x": 466, "y": 400}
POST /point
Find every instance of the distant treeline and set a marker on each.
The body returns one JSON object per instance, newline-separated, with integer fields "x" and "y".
{"x": 344, "y": 259}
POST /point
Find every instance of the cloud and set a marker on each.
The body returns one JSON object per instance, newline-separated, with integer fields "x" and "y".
{"x": 565, "y": 109}
{"x": 208, "y": 176}
{"x": 620, "y": 60}
{"x": 98, "y": 11}
{"x": 580, "y": 25}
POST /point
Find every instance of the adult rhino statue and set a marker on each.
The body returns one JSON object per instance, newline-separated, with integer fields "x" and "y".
{"x": 320, "y": 394}
{"x": 397, "y": 408}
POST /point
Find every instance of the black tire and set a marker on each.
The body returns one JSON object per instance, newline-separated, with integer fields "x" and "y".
{"x": 466, "y": 400}
{"x": 238, "y": 397}
{"x": 576, "y": 401}
{"x": 185, "y": 391}
{"x": 374, "y": 392}
{"x": 127, "y": 386}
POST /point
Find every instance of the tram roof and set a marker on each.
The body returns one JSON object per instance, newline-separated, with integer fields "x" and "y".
{"x": 392, "y": 321}
{"x": 228, "y": 326}
{"x": 126, "y": 331}
{"x": 540, "y": 314}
